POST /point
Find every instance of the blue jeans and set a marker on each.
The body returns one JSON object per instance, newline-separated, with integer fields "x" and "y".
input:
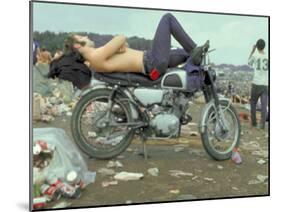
{"x": 160, "y": 57}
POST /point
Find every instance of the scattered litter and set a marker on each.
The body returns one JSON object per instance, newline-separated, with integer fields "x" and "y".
{"x": 254, "y": 182}
{"x": 175, "y": 191}
{"x": 261, "y": 161}
{"x": 60, "y": 103}
{"x": 236, "y": 157}
{"x": 47, "y": 118}
{"x": 39, "y": 202}
{"x": 192, "y": 124}
{"x": 129, "y": 202}
{"x": 153, "y": 171}
{"x": 69, "y": 113}
{"x": 252, "y": 145}
{"x": 261, "y": 153}
{"x": 194, "y": 178}
{"x": 234, "y": 188}
{"x": 259, "y": 179}
{"x": 59, "y": 170}
{"x": 105, "y": 171}
{"x": 125, "y": 176}
{"x": 193, "y": 133}
{"x": 114, "y": 164}
{"x": 62, "y": 205}
{"x": 220, "y": 167}
{"x": 108, "y": 183}
{"x": 129, "y": 150}
{"x": 92, "y": 134}
{"x": 178, "y": 173}
{"x": 179, "y": 149}
{"x": 208, "y": 179}
{"x": 112, "y": 141}
{"x": 262, "y": 178}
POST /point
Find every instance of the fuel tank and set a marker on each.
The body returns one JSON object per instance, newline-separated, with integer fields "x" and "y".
{"x": 175, "y": 79}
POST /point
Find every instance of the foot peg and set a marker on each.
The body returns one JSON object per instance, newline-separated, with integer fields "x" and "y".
{"x": 185, "y": 119}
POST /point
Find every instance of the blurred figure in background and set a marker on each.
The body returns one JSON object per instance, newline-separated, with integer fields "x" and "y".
{"x": 259, "y": 61}
{"x": 35, "y": 51}
{"x": 44, "y": 56}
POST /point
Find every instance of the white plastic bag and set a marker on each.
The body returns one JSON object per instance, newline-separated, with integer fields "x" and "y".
{"x": 66, "y": 155}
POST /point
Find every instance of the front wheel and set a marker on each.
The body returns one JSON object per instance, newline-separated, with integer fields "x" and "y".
{"x": 219, "y": 142}
{"x": 101, "y": 130}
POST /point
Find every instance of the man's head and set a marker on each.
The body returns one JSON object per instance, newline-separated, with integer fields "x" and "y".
{"x": 75, "y": 42}
{"x": 260, "y": 44}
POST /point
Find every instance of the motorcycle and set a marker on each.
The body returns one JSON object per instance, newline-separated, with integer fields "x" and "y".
{"x": 121, "y": 106}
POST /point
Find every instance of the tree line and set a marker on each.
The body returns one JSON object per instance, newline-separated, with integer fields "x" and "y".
{"x": 52, "y": 41}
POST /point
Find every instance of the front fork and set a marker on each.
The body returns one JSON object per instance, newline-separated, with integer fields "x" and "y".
{"x": 211, "y": 93}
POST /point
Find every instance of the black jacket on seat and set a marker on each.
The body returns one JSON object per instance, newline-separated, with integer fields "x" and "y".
{"x": 71, "y": 67}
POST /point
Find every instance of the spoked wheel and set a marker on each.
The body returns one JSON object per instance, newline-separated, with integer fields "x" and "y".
{"x": 100, "y": 131}
{"x": 218, "y": 141}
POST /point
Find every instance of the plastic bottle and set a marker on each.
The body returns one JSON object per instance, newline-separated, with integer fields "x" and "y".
{"x": 236, "y": 157}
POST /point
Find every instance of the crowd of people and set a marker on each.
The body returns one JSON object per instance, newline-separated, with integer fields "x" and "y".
{"x": 42, "y": 56}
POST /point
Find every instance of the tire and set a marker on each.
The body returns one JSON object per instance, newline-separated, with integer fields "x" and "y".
{"x": 77, "y": 131}
{"x": 209, "y": 147}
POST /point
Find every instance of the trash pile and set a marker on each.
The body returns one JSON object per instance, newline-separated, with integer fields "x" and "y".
{"x": 58, "y": 168}
{"x": 45, "y": 109}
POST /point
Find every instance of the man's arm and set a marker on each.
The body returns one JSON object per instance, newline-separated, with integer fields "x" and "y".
{"x": 114, "y": 46}
{"x": 251, "y": 59}
{"x": 123, "y": 48}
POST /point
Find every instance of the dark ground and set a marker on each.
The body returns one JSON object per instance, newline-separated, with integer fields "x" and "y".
{"x": 222, "y": 178}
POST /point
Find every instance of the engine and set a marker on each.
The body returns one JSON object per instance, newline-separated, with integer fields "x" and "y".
{"x": 167, "y": 109}
{"x": 168, "y": 116}
{"x": 165, "y": 125}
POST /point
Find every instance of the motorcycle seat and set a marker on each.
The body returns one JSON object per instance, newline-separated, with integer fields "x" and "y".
{"x": 127, "y": 79}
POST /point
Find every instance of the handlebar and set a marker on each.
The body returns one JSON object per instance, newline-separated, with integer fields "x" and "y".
{"x": 206, "y": 46}
{"x": 199, "y": 52}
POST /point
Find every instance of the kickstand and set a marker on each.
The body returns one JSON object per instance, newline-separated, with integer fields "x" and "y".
{"x": 144, "y": 152}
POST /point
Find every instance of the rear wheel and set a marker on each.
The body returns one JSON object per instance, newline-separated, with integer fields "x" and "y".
{"x": 99, "y": 131}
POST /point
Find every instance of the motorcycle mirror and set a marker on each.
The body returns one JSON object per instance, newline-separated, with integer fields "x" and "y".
{"x": 211, "y": 50}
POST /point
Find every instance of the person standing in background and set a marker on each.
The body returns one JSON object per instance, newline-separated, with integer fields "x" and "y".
{"x": 258, "y": 59}
{"x": 44, "y": 57}
{"x": 35, "y": 51}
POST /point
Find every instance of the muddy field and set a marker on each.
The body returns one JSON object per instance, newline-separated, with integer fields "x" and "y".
{"x": 201, "y": 178}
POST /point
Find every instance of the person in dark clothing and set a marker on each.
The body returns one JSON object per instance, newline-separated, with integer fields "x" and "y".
{"x": 259, "y": 61}
{"x": 35, "y": 51}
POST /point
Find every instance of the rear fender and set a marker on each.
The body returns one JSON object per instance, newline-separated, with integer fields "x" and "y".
{"x": 96, "y": 85}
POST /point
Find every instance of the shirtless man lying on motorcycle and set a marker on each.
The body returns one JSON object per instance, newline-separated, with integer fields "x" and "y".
{"x": 116, "y": 56}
